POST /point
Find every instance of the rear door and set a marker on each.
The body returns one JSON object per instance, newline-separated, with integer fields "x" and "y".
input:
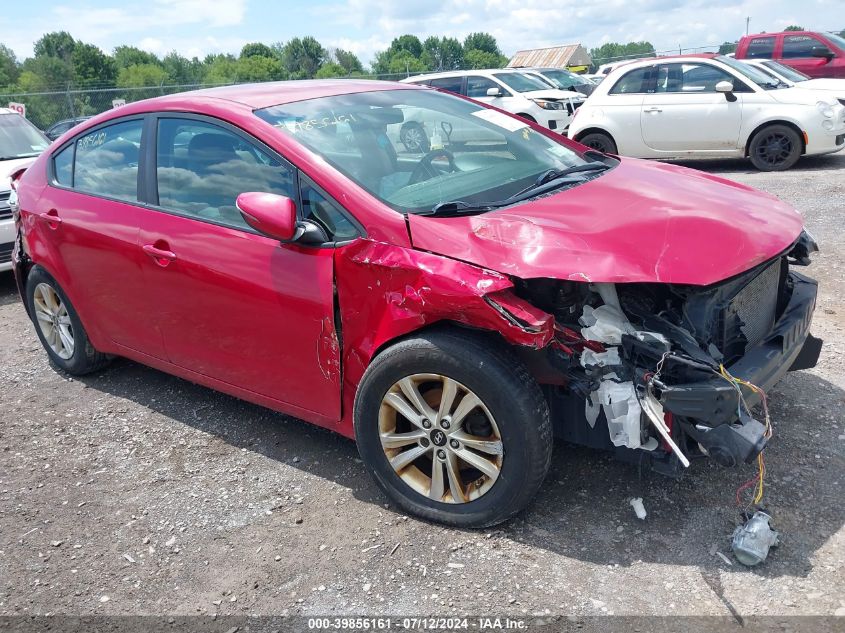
{"x": 685, "y": 113}
{"x": 235, "y": 305}
{"x": 89, "y": 219}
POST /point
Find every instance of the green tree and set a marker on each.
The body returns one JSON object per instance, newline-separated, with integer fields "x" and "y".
{"x": 257, "y": 49}
{"x": 221, "y": 69}
{"x": 445, "y": 53}
{"x": 182, "y": 70}
{"x": 793, "y": 27}
{"x": 259, "y": 68}
{"x": 409, "y": 43}
{"x": 612, "y": 51}
{"x": 476, "y": 59}
{"x": 91, "y": 66}
{"x": 405, "y": 62}
{"x": 49, "y": 72}
{"x": 348, "y": 61}
{"x": 125, "y": 56}
{"x": 140, "y": 75}
{"x": 331, "y": 69}
{"x": 10, "y": 69}
{"x": 59, "y": 44}
{"x": 302, "y": 57}
{"x": 482, "y": 42}
{"x": 726, "y": 48}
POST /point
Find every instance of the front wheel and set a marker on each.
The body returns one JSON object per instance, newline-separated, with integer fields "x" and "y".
{"x": 775, "y": 148}
{"x": 453, "y": 428}
{"x": 599, "y": 141}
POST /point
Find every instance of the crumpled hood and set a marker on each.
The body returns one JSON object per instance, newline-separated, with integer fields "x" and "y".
{"x": 7, "y": 167}
{"x": 639, "y": 222}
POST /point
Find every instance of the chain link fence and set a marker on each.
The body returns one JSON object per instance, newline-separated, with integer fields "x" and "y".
{"x": 48, "y": 107}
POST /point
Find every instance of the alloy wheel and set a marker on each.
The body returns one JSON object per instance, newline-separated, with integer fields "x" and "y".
{"x": 440, "y": 438}
{"x": 53, "y": 320}
{"x": 413, "y": 138}
{"x": 774, "y": 148}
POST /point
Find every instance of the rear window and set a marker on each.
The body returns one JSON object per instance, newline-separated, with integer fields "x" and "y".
{"x": 761, "y": 47}
{"x": 635, "y": 81}
{"x": 451, "y": 84}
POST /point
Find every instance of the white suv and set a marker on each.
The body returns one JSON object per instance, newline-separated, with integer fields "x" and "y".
{"x": 707, "y": 107}
{"x": 20, "y": 142}
{"x": 509, "y": 90}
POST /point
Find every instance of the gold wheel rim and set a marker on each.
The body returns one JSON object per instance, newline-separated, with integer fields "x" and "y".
{"x": 54, "y": 321}
{"x": 440, "y": 438}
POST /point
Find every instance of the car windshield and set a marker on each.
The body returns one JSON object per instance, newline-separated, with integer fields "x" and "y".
{"x": 19, "y": 138}
{"x": 757, "y": 75}
{"x": 521, "y": 82}
{"x": 564, "y": 78}
{"x": 785, "y": 71}
{"x": 420, "y": 150}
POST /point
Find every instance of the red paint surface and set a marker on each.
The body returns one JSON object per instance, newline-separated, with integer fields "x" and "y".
{"x": 249, "y": 316}
{"x": 640, "y": 222}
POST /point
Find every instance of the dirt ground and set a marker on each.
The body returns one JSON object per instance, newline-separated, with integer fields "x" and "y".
{"x": 133, "y": 492}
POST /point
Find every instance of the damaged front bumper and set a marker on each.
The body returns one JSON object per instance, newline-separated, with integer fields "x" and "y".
{"x": 710, "y": 411}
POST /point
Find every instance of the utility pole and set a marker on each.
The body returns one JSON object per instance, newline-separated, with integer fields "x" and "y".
{"x": 747, "y": 20}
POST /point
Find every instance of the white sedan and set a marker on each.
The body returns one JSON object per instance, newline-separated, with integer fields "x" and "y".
{"x": 707, "y": 106}
{"x": 796, "y": 79}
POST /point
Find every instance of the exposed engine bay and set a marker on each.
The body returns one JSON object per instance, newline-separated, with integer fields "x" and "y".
{"x": 674, "y": 371}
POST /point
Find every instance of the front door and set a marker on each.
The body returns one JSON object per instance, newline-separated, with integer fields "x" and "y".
{"x": 685, "y": 113}
{"x": 235, "y": 305}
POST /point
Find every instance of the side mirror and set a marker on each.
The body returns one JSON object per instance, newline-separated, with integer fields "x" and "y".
{"x": 823, "y": 52}
{"x": 270, "y": 214}
{"x": 726, "y": 88}
{"x": 494, "y": 92}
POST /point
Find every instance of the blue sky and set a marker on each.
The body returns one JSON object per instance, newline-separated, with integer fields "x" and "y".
{"x": 198, "y": 27}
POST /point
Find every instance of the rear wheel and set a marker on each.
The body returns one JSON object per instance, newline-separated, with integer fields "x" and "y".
{"x": 453, "y": 429}
{"x": 599, "y": 141}
{"x": 58, "y": 326}
{"x": 775, "y": 148}
{"x": 413, "y": 137}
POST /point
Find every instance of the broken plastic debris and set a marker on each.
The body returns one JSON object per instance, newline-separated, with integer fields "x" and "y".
{"x": 619, "y": 401}
{"x": 639, "y": 508}
{"x": 602, "y": 359}
{"x": 606, "y": 324}
{"x": 654, "y": 412}
{"x": 751, "y": 542}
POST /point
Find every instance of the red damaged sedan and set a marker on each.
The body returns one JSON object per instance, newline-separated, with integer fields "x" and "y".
{"x": 450, "y": 305}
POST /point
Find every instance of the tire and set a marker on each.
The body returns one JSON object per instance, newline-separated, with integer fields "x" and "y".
{"x": 513, "y": 417}
{"x": 599, "y": 141}
{"x": 775, "y": 148}
{"x": 59, "y": 328}
{"x": 413, "y": 137}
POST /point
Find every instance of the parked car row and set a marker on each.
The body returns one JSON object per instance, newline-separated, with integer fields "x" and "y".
{"x": 815, "y": 54}
{"x": 709, "y": 106}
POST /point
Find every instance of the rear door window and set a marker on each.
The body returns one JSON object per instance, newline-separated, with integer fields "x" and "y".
{"x": 478, "y": 86}
{"x": 107, "y": 161}
{"x": 761, "y": 48}
{"x": 452, "y": 84}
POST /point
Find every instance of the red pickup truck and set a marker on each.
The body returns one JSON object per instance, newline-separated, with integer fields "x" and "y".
{"x": 813, "y": 53}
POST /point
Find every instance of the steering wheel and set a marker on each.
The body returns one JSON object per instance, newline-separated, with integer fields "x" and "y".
{"x": 425, "y": 169}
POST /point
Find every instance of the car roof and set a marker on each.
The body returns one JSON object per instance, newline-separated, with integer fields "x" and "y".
{"x": 264, "y": 95}
{"x": 461, "y": 73}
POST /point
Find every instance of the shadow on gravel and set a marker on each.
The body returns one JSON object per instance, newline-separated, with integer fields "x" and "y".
{"x": 827, "y": 162}
{"x": 583, "y": 509}
{"x": 8, "y": 289}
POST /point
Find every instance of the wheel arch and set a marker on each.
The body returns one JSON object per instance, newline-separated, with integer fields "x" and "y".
{"x": 790, "y": 124}
{"x": 594, "y": 130}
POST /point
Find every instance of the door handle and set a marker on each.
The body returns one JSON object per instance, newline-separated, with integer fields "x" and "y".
{"x": 51, "y": 218}
{"x": 652, "y": 110}
{"x": 161, "y": 256}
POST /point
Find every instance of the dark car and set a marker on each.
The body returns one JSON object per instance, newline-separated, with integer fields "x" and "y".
{"x": 57, "y": 129}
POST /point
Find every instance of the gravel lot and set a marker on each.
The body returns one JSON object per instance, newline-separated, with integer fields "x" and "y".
{"x": 132, "y": 492}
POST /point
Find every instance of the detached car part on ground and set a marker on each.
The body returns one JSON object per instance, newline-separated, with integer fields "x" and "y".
{"x": 451, "y": 311}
